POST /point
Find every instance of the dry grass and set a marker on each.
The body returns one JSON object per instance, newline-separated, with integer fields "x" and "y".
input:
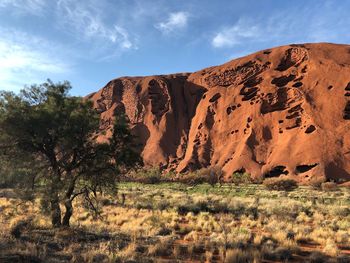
{"x": 167, "y": 221}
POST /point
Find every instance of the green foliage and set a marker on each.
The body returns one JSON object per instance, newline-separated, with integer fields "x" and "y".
{"x": 212, "y": 176}
{"x": 16, "y": 168}
{"x": 280, "y": 184}
{"x": 241, "y": 178}
{"x": 124, "y": 150}
{"x": 148, "y": 176}
{"x": 51, "y": 135}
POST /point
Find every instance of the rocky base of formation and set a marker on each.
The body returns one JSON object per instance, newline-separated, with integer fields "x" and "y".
{"x": 282, "y": 111}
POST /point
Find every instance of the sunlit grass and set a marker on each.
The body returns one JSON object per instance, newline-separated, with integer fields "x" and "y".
{"x": 172, "y": 220}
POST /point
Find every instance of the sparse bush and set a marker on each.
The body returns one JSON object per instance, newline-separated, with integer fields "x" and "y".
{"x": 219, "y": 207}
{"x": 45, "y": 206}
{"x": 214, "y": 207}
{"x": 148, "y": 176}
{"x": 248, "y": 223}
{"x": 19, "y": 226}
{"x": 192, "y": 179}
{"x": 211, "y": 176}
{"x": 241, "y": 178}
{"x": 163, "y": 205}
{"x": 241, "y": 256}
{"x": 280, "y": 184}
{"x": 341, "y": 211}
{"x": 164, "y": 231}
{"x": 169, "y": 176}
{"x": 184, "y": 209}
{"x": 283, "y": 254}
{"x": 180, "y": 251}
{"x": 160, "y": 249}
{"x": 214, "y": 175}
{"x": 100, "y": 258}
{"x": 343, "y": 259}
{"x": 316, "y": 183}
{"x": 329, "y": 186}
{"x": 317, "y": 257}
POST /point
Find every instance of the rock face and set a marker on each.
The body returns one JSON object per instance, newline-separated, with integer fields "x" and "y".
{"x": 282, "y": 111}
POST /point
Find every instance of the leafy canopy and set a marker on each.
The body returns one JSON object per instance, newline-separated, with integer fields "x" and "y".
{"x": 59, "y": 133}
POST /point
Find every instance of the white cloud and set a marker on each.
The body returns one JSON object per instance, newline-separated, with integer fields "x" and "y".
{"x": 317, "y": 23}
{"x": 33, "y": 7}
{"x": 84, "y": 19}
{"x": 236, "y": 34}
{"x": 25, "y": 59}
{"x": 174, "y": 22}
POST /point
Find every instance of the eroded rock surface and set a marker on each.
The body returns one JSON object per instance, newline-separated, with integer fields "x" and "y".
{"x": 279, "y": 112}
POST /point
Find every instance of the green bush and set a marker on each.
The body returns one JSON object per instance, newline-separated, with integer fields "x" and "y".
{"x": 192, "y": 179}
{"x": 12, "y": 178}
{"x": 241, "y": 178}
{"x": 212, "y": 176}
{"x": 280, "y": 184}
{"x": 148, "y": 176}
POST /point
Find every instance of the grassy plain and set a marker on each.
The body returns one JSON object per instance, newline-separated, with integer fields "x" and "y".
{"x": 172, "y": 222}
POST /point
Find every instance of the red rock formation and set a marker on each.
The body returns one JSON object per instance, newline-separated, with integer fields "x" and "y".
{"x": 283, "y": 111}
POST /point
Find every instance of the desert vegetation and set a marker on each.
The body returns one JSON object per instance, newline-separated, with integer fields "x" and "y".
{"x": 166, "y": 221}
{"x": 71, "y": 194}
{"x": 51, "y": 137}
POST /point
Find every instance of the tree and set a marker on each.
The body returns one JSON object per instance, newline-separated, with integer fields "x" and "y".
{"x": 60, "y": 133}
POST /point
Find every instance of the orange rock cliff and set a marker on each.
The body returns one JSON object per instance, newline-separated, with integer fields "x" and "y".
{"x": 281, "y": 111}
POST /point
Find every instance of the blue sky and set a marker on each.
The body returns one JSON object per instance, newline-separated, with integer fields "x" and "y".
{"x": 90, "y": 42}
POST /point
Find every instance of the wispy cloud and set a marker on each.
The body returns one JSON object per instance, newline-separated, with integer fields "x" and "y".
{"x": 316, "y": 23}
{"x": 84, "y": 19}
{"x": 33, "y": 7}
{"x": 239, "y": 32}
{"x": 25, "y": 59}
{"x": 175, "y": 21}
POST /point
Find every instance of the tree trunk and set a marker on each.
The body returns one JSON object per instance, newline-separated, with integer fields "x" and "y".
{"x": 68, "y": 202}
{"x": 69, "y": 212}
{"x": 55, "y": 202}
{"x": 55, "y": 212}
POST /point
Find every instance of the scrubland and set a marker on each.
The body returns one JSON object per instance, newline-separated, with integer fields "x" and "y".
{"x": 173, "y": 222}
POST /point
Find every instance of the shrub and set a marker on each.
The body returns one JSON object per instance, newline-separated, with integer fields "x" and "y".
{"x": 192, "y": 179}
{"x": 19, "y": 226}
{"x": 148, "y": 176}
{"x": 180, "y": 251}
{"x": 214, "y": 175}
{"x": 241, "y": 178}
{"x": 317, "y": 257}
{"x": 329, "y": 186}
{"x": 45, "y": 206}
{"x": 164, "y": 231}
{"x": 280, "y": 184}
{"x": 211, "y": 176}
{"x": 161, "y": 249}
{"x": 163, "y": 205}
{"x": 241, "y": 256}
{"x": 283, "y": 254}
{"x": 219, "y": 207}
{"x": 184, "y": 209}
{"x": 343, "y": 259}
{"x": 316, "y": 183}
